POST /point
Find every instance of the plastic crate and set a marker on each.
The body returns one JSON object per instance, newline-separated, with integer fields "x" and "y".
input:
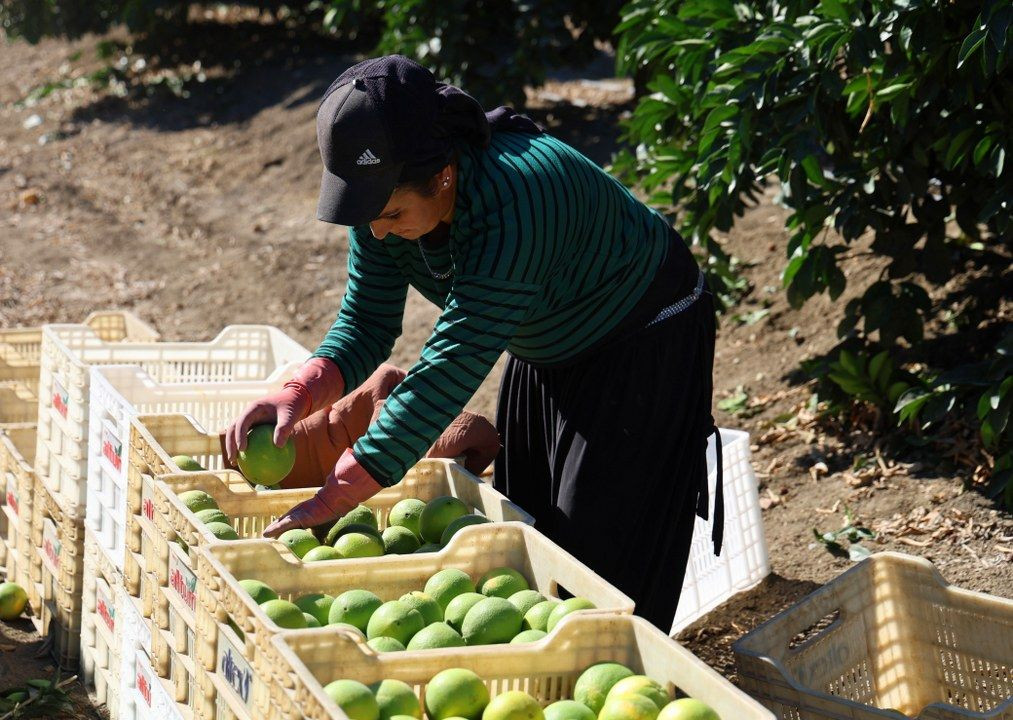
{"x": 101, "y": 632}
{"x": 475, "y": 550}
{"x": 57, "y": 537}
{"x": 889, "y": 633}
{"x": 547, "y": 669}
{"x": 154, "y": 440}
{"x": 173, "y": 570}
{"x": 143, "y": 695}
{"x": 20, "y": 348}
{"x": 119, "y": 393}
{"x": 710, "y": 580}
{"x": 238, "y": 353}
{"x": 17, "y": 450}
{"x": 18, "y": 403}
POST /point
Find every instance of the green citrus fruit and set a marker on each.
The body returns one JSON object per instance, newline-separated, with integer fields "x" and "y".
{"x": 284, "y": 614}
{"x": 260, "y": 592}
{"x": 593, "y": 685}
{"x": 211, "y": 515}
{"x": 359, "y": 515}
{"x": 395, "y": 619}
{"x": 197, "y": 500}
{"x": 358, "y": 545}
{"x": 568, "y": 710}
{"x": 262, "y": 462}
{"x": 399, "y": 540}
{"x": 537, "y": 617}
{"x": 407, "y": 513}
{"x": 429, "y": 609}
{"x": 429, "y": 547}
{"x": 186, "y": 463}
{"x": 311, "y": 620}
{"x": 13, "y": 599}
{"x": 513, "y": 705}
{"x": 316, "y": 604}
{"x": 436, "y": 635}
{"x": 321, "y": 552}
{"x": 630, "y": 706}
{"x": 502, "y": 582}
{"x": 299, "y": 541}
{"x": 524, "y": 600}
{"x": 528, "y": 636}
{"x": 438, "y": 514}
{"x": 688, "y": 709}
{"x": 385, "y": 644}
{"x": 394, "y": 698}
{"x": 461, "y": 522}
{"x": 447, "y": 584}
{"x": 222, "y": 531}
{"x": 355, "y": 699}
{"x": 354, "y": 607}
{"x": 491, "y": 621}
{"x": 565, "y": 608}
{"x": 456, "y": 692}
{"x": 459, "y": 607}
{"x": 640, "y": 685}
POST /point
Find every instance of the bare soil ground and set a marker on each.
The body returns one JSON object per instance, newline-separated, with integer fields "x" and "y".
{"x": 199, "y": 211}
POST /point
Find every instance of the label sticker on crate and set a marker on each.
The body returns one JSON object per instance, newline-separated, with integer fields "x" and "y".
{"x": 104, "y": 606}
{"x": 51, "y": 544}
{"x": 112, "y": 448}
{"x": 235, "y": 669}
{"x": 144, "y": 677}
{"x": 147, "y": 501}
{"x": 60, "y": 397}
{"x": 182, "y": 580}
{"x": 11, "y": 493}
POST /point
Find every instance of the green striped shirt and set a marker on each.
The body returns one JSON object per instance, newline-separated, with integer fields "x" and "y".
{"x": 548, "y": 252}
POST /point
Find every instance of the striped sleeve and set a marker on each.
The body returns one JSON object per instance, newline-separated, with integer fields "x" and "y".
{"x": 475, "y": 327}
{"x": 372, "y": 310}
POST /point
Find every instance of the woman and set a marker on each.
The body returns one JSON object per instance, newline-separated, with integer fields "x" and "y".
{"x": 530, "y": 248}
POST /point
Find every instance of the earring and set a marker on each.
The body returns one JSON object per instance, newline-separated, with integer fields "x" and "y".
{"x": 446, "y": 182}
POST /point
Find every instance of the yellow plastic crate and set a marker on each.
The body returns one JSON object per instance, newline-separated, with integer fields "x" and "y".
{"x": 890, "y": 634}
{"x": 172, "y": 569}
{"x": 17, "y": 450}
{"x": 307, "y": 660}
{"x": 20, "y": 348}
{"x": 475, "y": 550}
{"x": 18, "y": 404}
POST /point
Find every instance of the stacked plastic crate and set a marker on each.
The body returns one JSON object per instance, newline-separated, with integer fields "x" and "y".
{"x": 69, "y": 354}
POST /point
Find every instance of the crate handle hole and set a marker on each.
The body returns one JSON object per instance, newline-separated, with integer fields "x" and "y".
{"x": 557, "y": 590}
{"x": 815, "y": 631}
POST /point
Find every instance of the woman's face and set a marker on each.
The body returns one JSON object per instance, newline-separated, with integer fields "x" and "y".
{"x": 410, "y": 214}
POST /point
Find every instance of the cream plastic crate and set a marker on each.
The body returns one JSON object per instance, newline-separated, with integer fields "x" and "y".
{"x": 57, "y": 537}
{"x": 20, "y": 348}
{"x": 18, "y": 403}
{"x": 101, "y": 633}
{"x": 475, "y": 550}
{"x": 172, "y": 569}
{"x": 711, "y": 580}
{"x": 547, "y": 669}
{"x": 889, "y": 633}
{"x": 17, "y": 450}
{"x": 154, "y": 440}
{"x": 143, "y": 694}
{"x": 119, "y": 393}
{"x": 238, "y": 353}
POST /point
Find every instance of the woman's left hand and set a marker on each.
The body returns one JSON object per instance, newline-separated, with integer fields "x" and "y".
{"x": 348, "y": 485}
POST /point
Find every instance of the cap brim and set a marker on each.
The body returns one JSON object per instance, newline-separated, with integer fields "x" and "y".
{"x": 359, "y": 201}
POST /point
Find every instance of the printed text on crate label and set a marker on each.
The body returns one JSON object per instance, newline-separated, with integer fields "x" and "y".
{"x": 183, "y": 581}
{"x": 51, "y": 544}
{"x": 60, "y": 397}
{"x": 111, "y": 448}
{"x": 104, "y": 607}
{"x": 234, "y": 668}
{"x": 143, "y": 677}
{"x": 12, "y": 493}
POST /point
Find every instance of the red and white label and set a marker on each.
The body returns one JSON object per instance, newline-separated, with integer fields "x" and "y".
{"x": 60, "y": 397}
{"x": 51, "y": 544}
{"x": 104, "y": 607}
{"x": 147, "y": 503}
{"x": 11, "y": 493}
{"x": 182, "y": 580}
{"x": 112, "y": 448}
{"x": 144, "y": 677}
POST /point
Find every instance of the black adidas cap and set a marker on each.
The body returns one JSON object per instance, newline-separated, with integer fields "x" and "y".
{"x": 375, "y": 128}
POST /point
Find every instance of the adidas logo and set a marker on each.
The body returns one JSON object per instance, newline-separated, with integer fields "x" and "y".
{"x": 367, "y": 158}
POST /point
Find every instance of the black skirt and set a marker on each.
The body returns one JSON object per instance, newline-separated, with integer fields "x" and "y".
{"x": 609, "y": 453}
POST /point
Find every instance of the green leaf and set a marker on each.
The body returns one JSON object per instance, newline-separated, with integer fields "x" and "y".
{"x": 880, "y": 367}
{"x": 891, "y": 91}
{"x": 813, "y": 171}
{"x": 834, "y": 9}
{"x": 971, "y": 44}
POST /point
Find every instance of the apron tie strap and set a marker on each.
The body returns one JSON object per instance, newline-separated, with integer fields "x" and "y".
{"x": 703, "y": 498}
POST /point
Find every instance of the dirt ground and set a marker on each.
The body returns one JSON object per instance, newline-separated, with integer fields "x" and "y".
{"x": 198, "y": 212}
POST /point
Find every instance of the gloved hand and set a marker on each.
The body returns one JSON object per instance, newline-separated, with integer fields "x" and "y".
{"x": 317, "y": 384}
{"x": 347, "y": 486}
{"x": 471, "y": 436}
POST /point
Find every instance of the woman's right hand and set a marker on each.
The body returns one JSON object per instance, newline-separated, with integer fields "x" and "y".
{"x": 283, "y": 408}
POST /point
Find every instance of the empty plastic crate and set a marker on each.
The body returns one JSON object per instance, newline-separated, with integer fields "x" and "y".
{"x": 17, "y": 450}
{"x": 886, "y": 637}
{"x": 18, "y": 404}
{"x": 118, "y": 394}
{"x": 710, "y": 580}
{"x": 547, "y": 670}
{"x": 238, "y": 353}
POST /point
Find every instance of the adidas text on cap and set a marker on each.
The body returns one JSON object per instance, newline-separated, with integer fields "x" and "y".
{"x": 375, "y": 119}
